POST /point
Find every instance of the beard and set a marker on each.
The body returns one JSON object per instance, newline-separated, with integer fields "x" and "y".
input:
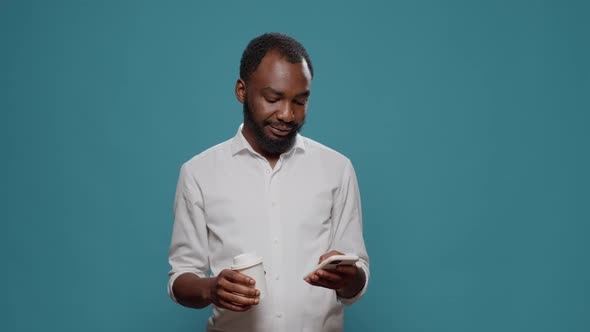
{"x": 268, "y": 144}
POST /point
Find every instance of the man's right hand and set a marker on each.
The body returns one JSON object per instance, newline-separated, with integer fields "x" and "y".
{"x": 233, "y": 290}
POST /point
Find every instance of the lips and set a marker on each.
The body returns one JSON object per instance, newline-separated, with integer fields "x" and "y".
{"x": 280, "y": 131}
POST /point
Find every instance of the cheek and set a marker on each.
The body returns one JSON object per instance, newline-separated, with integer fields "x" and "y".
{"x": 300, "y": 114}
{"x": 262, "y": 109}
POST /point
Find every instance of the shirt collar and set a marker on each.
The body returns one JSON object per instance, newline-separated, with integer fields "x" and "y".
{"x": 239, "y": 143}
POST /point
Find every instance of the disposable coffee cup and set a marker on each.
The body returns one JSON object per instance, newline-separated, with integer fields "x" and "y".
{"x": 251, "y": 265}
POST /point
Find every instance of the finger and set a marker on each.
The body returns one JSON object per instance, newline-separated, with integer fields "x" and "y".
{"x": 346, "y": 270}
{"x": 239, "y": 289}
{"x": 237, "y": 277}
{"x": 318, "y": 280}
{"x": 323, "y": 283}
{"x": 328, "y": 254}
{"x": 312, "y": 281}
{"x": 232, "y": 306}
{"x": 236, "y": 299}
{"x": 315, "y": 277}
{"x": 329, "y": 276}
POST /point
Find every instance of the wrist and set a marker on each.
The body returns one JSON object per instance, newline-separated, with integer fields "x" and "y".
{"x": 192, "y": 291}
{"x": 354, "y": 287}
{"x": 207, "y": 293}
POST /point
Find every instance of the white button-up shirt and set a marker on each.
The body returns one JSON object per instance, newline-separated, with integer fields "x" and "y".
{"x": 230, "y": 201}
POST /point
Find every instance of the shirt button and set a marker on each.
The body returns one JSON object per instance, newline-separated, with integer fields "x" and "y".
{"x": 279, "y": 315}
{"x": 267, "y": 171}
{"x": 274, "y": 203}
{"x": 277, "y": 277}
{"x": 276, "y": 241}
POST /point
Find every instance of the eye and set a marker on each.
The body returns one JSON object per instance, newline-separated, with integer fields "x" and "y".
{"x": 271, "y": 100}
{"x": 300, "y": 101}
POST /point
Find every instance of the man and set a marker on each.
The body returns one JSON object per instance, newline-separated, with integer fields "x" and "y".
{"x": 271, "y": 191}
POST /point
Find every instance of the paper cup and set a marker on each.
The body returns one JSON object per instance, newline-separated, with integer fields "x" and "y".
{"x": 251, "y": 265}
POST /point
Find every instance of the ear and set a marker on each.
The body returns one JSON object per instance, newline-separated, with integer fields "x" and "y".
{"x": 241, "y": 90}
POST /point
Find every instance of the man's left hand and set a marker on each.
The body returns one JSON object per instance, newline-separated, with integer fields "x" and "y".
{"x": 340, "y": 278}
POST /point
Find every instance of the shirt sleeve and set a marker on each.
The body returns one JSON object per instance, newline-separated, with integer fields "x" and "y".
{"x": 188, "y": 248}
{"x": 348, "y": 232}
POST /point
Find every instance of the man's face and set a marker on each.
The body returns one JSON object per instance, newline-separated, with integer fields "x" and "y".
{"x": 275, "y": 103}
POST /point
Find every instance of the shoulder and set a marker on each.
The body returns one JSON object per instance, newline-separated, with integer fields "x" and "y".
{"x": 324, "y": 153}
{"x": 330, "y": 163}
{"x": 208, "y": 158}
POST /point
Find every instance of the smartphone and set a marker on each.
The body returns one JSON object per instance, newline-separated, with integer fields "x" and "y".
{"x": 332, "y": 262}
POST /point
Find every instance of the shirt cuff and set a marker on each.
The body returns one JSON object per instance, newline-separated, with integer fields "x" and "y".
{"x": 349, "y": 301}
{"x": 172, "y": 279}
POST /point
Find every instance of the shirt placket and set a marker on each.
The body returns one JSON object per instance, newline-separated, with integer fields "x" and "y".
{"x": 275, "y": 231}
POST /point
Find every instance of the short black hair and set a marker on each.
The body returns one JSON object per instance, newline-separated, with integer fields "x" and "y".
{"x": 259, "y": 47}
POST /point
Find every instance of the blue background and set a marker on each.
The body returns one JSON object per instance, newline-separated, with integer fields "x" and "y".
{"x": 467, "y": 122}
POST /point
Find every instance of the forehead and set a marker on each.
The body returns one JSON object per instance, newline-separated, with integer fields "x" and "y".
{"x": 276, "y": 72}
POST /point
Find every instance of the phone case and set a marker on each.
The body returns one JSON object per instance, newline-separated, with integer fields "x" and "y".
{"x": 334, "y": 261}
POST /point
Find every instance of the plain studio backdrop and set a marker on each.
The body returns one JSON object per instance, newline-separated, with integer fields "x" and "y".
{"x": 467, "y": 123}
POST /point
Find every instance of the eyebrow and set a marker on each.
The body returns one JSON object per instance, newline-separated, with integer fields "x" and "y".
{"x": 306, "y": 93}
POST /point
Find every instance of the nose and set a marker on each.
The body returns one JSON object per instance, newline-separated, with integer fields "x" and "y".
{"x": 285, "y": 113}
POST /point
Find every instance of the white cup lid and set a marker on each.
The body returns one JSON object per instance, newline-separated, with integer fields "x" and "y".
{"x": 245, "y": 260}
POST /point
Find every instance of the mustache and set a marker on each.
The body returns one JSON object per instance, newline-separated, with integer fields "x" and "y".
{"x": 282, "y": 125}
